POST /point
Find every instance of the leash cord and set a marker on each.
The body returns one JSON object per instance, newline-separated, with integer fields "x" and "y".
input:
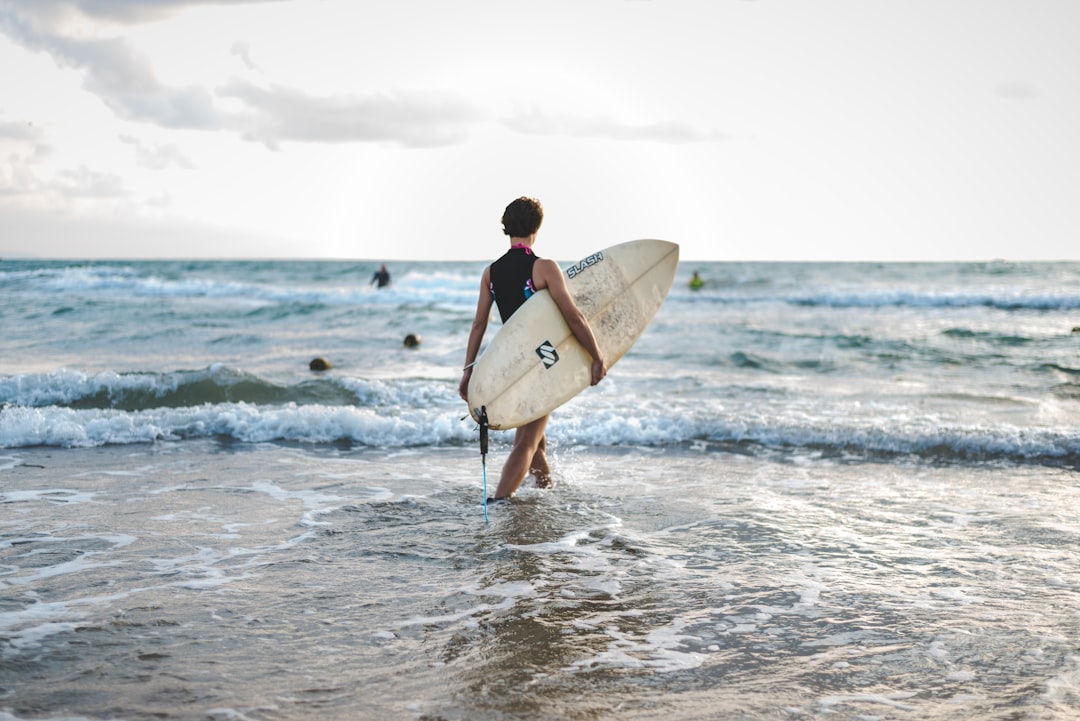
{"x": 483, "y": 420}
{"x": 486, "y": 521}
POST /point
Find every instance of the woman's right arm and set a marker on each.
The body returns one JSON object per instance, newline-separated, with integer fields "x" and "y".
{"x": 476, "y": 334}
{"x": 550, "y": 276}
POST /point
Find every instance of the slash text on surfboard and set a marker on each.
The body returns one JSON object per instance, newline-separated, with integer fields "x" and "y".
{"x": 585, "y": 263}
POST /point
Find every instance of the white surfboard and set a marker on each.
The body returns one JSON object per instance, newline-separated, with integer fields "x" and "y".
{"x": 534, "y": 363}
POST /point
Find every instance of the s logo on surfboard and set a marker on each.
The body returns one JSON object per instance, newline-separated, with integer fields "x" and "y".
{"x": 548, "y": 355}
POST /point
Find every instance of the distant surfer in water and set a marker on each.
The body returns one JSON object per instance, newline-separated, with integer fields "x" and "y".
{"x": 508, "y": 283}
{"x": 382, "y": 277}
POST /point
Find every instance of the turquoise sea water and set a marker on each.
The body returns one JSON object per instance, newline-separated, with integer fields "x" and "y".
{"x": 837, "y": 491}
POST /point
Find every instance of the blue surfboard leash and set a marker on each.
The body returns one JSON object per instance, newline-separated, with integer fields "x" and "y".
{"x": 483, "y": 419}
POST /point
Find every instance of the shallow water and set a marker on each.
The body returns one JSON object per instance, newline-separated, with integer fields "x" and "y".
{"x": 216, "y": 580}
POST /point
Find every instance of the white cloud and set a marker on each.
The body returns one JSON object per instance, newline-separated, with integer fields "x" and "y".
{"x": 128, "y": 11}
{"x": 17, "y": 178}
{"x": 116, "y": 72}
{"x": 86, "y": 183}
{"x": 20, "y": 175}
{"x": 537, "y": 122}
{"x": 242, "y": 50}
{"x": 277, "y": 114}
{"x": 124, "y": 79}
{"x": 23, "y": 131}
{"x": 157, "y": 156}
{"x": 22, "y": 145}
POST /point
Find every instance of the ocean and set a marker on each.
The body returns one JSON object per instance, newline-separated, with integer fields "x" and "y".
{"x": 810, "y": 491}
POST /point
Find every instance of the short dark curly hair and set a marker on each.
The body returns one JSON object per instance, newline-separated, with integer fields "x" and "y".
{"x": 522, "y": 217}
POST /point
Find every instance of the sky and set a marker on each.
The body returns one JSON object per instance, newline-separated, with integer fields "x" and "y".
{"x": 887, "y": 130}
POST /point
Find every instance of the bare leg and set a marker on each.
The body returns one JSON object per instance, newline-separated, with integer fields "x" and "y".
{"x": 539, "y": 466}
{"x": 527, "y": 440}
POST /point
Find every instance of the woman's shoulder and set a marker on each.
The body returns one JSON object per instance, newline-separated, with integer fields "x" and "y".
{"x": 546, "y": 265}
{"x": 546, "y": 271}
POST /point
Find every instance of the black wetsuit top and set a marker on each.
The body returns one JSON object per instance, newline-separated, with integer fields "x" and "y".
{"x": 511, "y": 279}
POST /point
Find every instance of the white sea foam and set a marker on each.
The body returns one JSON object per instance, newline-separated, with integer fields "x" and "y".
{"x": 52, "y": 495}
{"x": 662, "y": 650}
{"x": 450, "y": 618}
{"x": 426, "y": 425}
